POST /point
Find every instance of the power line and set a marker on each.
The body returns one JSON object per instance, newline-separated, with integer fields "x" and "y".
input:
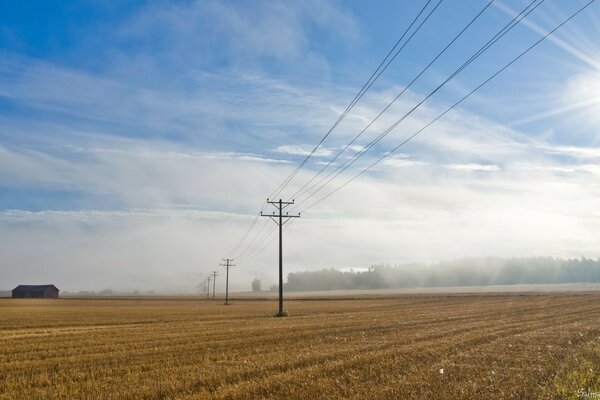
{"x": 374, "y": 76}
{"x": 260, "y": 248}
{"x": 491, "y": 42}
{"x": 253, "y": 250}
{"x": 250, "y": 246}
{"x": 383, "y": 65}
{"x": 237, "y": 246}
{"x": 395, "y": 99}
{"x": 456, "y": 103}
{"x": 341, "y": 168}
{"x": 257, "y": 248}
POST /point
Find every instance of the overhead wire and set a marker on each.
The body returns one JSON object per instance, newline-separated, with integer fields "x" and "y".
{"x": 374, "y": 76}
{"x": 383, "y": 65}
{"x": 248, "y": 248}
{"x": 328, "y": 164}
{"x": 260, "y": 249}
{"x": 386, "y": 155}
{"x": 239, "y": 243}
{"x": 343, "y": 167}
{"x": 349, "y": 162}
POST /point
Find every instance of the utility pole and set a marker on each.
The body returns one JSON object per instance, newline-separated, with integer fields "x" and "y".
{"x": 215, "y": 274}
{"x": 208, "y": 279}
{"x": 228, "y": 264}
{"x": 278, "y": 218}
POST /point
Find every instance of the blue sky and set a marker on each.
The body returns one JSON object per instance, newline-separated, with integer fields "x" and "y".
{"x": 166, "y": 124}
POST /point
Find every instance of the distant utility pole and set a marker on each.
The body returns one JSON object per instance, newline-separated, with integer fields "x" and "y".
{"x": 280, "y": 219}
{"x": 208, "y": 279}
{"x": 228, "y": 264}
{"x": 215, "y": 274}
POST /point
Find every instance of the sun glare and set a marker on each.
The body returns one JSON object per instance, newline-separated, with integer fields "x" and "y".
{"x": 582, "y": 94}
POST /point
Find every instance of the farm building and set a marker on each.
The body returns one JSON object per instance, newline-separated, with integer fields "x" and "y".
{"x": 35, "y": 291}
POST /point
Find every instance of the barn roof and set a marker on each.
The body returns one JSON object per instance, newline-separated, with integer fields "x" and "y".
{"x": 33, "y": 288}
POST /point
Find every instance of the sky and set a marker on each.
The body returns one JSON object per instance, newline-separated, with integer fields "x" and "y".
{"x": 139, "y": 139}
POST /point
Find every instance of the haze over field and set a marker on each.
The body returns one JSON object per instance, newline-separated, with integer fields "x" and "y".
{"x": 139, "y": 139}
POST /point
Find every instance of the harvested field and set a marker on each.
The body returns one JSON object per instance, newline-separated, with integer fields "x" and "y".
{"x": 534, "y": 346}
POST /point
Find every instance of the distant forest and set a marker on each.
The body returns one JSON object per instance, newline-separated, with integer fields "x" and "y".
{"x": 464, "y": 272}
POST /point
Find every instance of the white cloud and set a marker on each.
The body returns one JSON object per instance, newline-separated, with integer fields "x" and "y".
{"x": 403, "y": 162}
{"x": 145, "y": 174}
{"x": 261, "y": 33}
{"x": 303, "y": 150}
{"x": 587, "y": 168}
{"x": 572, "y": 151}
{"x": 199, "y": 108}
{"x": 356, "y": 148}
{"x": 474, "y": 167}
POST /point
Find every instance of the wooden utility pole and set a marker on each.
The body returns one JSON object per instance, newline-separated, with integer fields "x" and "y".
{"x": 208, "y": 279}
{"x": 228, "y": 264}
{"x": 215, "y": 274}
{"x": 280, "y": 219}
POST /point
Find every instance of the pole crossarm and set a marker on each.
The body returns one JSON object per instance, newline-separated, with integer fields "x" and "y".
{"x": 280, "y": 202}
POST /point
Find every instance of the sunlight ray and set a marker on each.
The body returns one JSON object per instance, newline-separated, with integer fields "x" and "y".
{"x": 556, "y": 111}
{"x": 586, "y": 58}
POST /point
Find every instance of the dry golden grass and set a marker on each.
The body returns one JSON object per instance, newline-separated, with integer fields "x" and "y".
{"x": 490, "y": 347}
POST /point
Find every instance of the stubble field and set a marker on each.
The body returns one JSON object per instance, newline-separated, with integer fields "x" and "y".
{"x": 533, "y": 346}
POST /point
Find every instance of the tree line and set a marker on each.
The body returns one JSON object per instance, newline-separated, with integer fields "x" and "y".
{"x": 464, "y": 272}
